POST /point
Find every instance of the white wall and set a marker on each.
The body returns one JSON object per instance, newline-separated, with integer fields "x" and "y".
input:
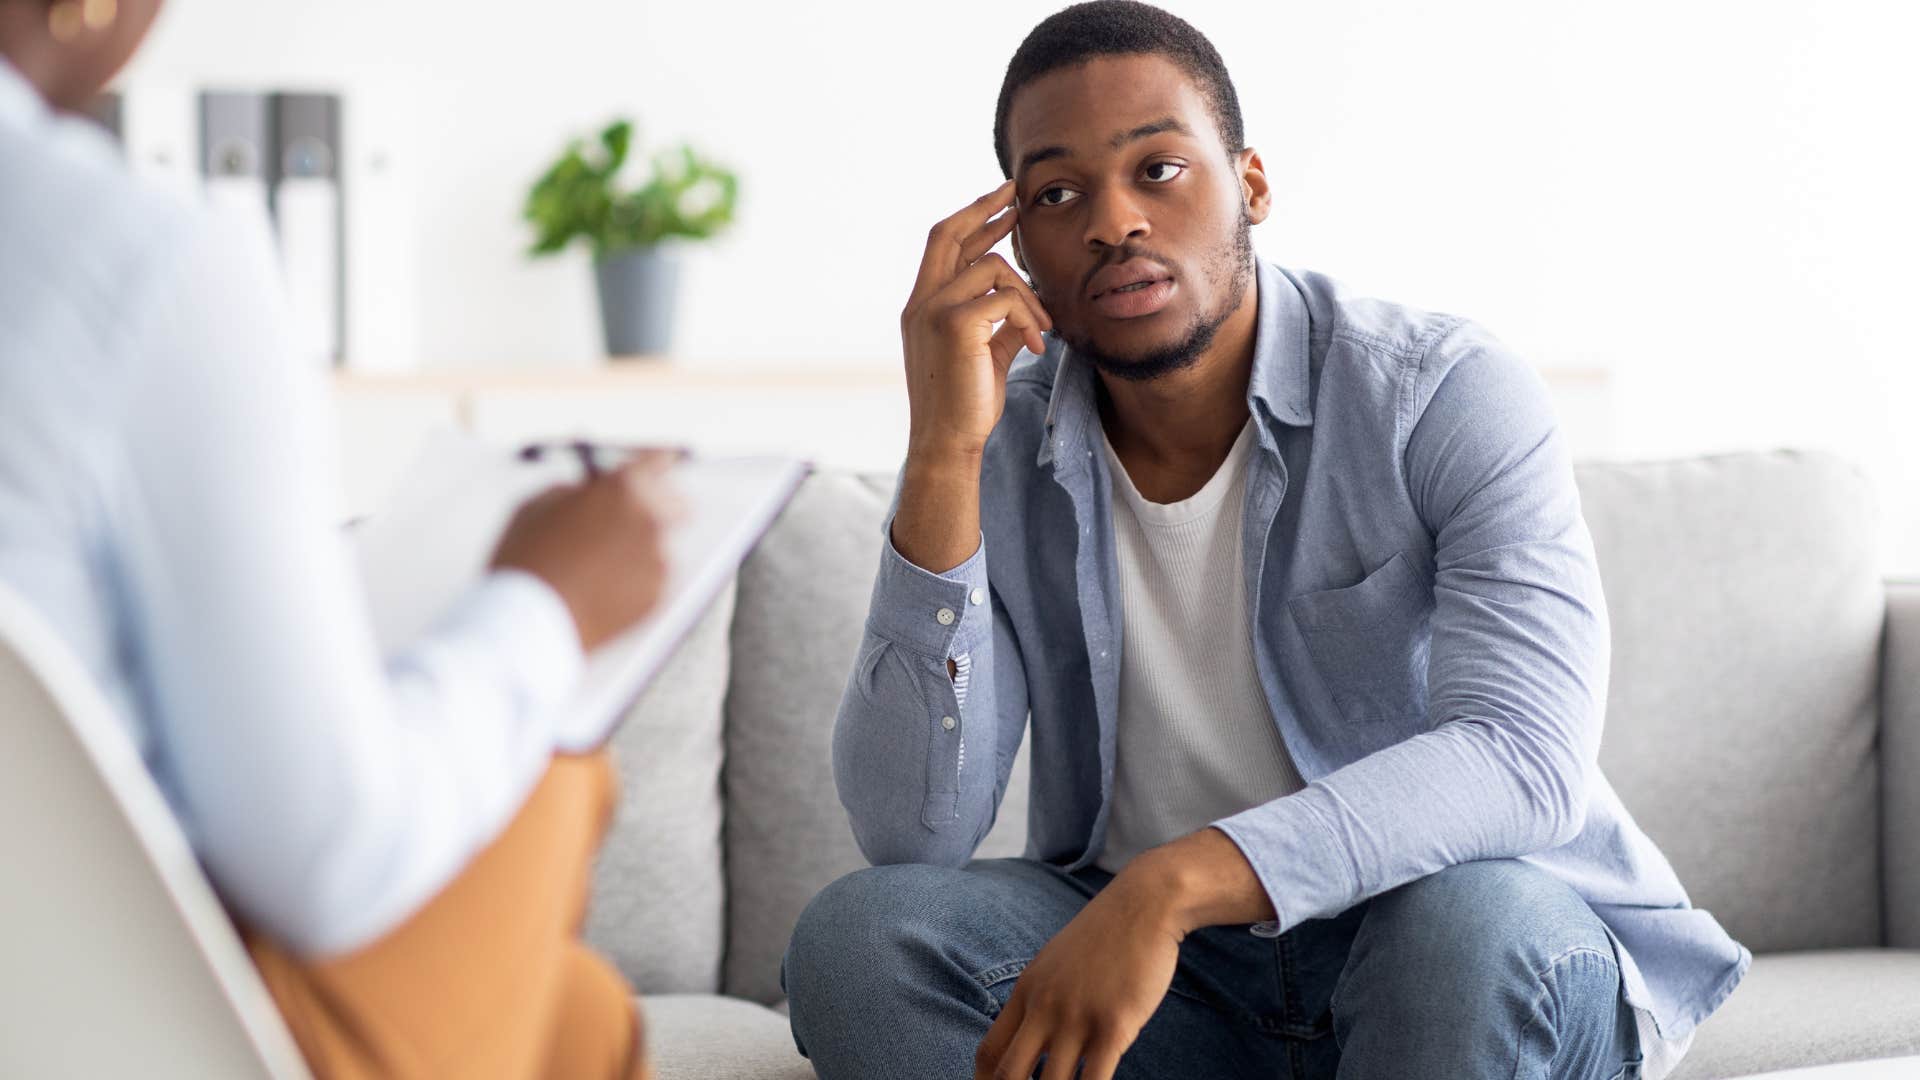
{"x": 1712, "y": 200}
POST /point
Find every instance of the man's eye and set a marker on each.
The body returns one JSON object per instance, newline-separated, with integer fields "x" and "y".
{"x": 1162, "y": 171}
{"x": 1054, "y": 196}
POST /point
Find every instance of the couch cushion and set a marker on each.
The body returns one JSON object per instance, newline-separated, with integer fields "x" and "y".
{"x": 1812, "y": 1008}
{"x": 1747, "y": 609}
{"x": 659, "y": 891}
{"x": 802, "y": 607}
{"x": 707, "y": 1037}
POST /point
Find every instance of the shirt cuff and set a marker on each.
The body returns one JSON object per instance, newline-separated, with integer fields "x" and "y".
{"x": 1294, "y": 852}
{"x": 545, "y": 643}
{"x": 941, "y": 615}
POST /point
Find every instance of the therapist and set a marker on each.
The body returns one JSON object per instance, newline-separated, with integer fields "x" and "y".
{"x": 406, "y": 856}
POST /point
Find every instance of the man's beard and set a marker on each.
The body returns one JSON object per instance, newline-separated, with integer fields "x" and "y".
{"x": 1235, "y": 268}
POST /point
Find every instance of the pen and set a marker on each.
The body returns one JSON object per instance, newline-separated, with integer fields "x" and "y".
{"x": 591, "y": 453}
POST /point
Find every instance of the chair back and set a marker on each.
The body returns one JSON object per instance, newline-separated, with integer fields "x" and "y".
{"x": 116, "y": 958}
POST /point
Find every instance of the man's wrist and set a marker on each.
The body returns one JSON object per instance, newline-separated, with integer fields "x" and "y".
{"x": 942, "y": 461}
{"x": 1197, "y": 881}
{"x": 1168, "y": 885}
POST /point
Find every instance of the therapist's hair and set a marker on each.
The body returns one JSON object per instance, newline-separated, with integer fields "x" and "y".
{"x": 1075, "y": 35}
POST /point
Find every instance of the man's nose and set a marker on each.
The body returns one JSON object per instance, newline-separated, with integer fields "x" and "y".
{"x": 1115, "y": 220}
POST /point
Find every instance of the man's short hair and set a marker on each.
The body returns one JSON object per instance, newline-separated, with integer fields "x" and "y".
{"x": 1077, "y": 34}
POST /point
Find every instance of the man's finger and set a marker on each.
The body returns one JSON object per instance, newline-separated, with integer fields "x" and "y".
{"x": 1063, "y": 1057}
{"x": 1006, "y": 341}
{"x": 1103, "y": 1059}
{"x": 942, "y": 258}
{"x": 997, "y": 307}
{"x": 1005, "y": 1026}
{"x": 1025, "y": 1050}
{"x": 987, "y": 235}
{"x": 995, "y": 273}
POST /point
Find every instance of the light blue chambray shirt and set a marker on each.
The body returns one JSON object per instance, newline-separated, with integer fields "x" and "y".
{"x": 1428, "y": 627}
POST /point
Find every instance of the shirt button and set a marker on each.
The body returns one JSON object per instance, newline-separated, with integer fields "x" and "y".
{"x": 978, "y": 596}
{"x": 948, "y": 722}
{"x": 1267, "y": 929}
{"x": 944, "y": 616}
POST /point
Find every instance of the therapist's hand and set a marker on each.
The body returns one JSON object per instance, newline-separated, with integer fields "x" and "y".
{"x": 600, "y": 544}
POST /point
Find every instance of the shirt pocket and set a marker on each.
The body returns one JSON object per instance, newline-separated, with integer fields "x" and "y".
{"x": 1369, "y": 642}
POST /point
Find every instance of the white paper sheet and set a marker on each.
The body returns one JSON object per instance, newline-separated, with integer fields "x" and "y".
{"x": 435, "y": 537}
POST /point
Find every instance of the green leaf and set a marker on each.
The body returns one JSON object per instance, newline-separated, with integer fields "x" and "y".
{"x": 579, "y": 197}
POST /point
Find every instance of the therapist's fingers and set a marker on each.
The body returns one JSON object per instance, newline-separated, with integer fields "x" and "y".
{"x": 646, "y": 476}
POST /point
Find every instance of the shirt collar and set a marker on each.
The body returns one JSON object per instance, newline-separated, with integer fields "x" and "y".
{"x": 1280, "y": 384}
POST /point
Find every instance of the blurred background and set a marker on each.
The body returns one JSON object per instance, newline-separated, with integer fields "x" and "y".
{"x": 1697, "y": 219}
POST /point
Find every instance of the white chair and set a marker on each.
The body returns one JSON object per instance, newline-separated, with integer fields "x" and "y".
{"x": 116, "y": 959}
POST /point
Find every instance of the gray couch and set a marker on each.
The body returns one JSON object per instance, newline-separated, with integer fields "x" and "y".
{"x": 1764, "y": 727}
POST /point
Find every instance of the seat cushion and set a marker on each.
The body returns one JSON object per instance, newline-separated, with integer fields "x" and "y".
{"x": 1747, "y": 609}
{"x": 659, "y": 889}
{"x": 1813, "y": 1008}
{"x": 708, "y": 1037}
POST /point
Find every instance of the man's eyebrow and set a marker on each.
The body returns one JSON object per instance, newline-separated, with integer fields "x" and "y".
{"x": 1156, "y": 127}
{"x": 1164, "y": 124}
{"x": 1045, "y": 153}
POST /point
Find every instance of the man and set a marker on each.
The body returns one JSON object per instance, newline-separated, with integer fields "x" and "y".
{"x": 1295, "y": 589}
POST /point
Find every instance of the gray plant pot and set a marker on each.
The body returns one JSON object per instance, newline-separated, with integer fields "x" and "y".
{"x": 637, "y": 292}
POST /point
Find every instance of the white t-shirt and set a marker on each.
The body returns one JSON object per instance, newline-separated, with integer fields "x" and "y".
{"x": 1196, "y": 742}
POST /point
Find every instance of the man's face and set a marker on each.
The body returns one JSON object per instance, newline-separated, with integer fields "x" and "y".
{"x": 1133, "y": 214}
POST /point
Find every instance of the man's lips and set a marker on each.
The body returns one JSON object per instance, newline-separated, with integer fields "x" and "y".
{"x": 1135, "y": 274}
{"x": 1131, "y": 303}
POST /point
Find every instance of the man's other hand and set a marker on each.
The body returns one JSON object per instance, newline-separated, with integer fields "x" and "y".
{"x": 1086, "y": 996}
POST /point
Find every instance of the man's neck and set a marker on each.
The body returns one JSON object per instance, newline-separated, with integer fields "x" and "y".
{"x": 1172, "y": 433}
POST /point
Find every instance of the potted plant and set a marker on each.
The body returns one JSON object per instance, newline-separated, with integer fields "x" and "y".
{"x": 582, "y": 196}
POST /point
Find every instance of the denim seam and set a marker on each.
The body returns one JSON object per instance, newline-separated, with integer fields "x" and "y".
{"x": 1541, "y": 976}
{"x": 994, "y": 976}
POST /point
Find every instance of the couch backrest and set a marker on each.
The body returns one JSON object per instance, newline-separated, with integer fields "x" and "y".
{"x": 1746, "y": 625}
{"x": 803, "y": 603}
{"x": 1747, "y": 610}
{"x": 660, "y": 889}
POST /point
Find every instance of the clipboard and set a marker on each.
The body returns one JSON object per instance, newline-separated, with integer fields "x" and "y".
{"x": 438, "y": 531}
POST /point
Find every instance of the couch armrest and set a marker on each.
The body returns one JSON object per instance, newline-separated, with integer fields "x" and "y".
{"x": 1900, "y": 763}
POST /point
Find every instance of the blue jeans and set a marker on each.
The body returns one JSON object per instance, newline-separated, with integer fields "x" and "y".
{"x": 1487, "y": 969}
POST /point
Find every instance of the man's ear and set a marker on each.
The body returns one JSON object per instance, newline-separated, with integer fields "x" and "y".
{"x": 1019, "y": 254}
{"x": 1254, "y": 190}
